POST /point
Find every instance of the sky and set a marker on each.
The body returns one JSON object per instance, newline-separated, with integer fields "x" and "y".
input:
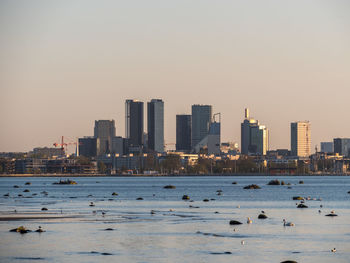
{"x": 65, "y": 64}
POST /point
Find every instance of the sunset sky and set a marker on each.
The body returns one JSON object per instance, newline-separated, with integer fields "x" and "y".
{"x": 64, "y": 64}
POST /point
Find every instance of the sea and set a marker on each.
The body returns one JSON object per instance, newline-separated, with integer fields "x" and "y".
{"x": 145, "y": 222}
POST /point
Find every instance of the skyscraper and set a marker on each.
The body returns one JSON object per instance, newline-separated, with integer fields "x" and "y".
{"x": 155, "y": 125}
{"x": 183, "y": 133}
{"x": 201, "y": 119}
{"x": 300, "y": 138}
{"x": 105, "y": 131}
{"x": 327, "y": 147}
{"x": 134, "y": 122}
{"x": 89, "y": 146}
{"x": 342, "y": 146}
{"x": 254, "y": 137}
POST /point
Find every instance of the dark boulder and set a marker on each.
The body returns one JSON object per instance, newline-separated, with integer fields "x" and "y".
{"x": 28, "y": 183}
{"x": 274, "y": 182}
{"x": 235, "y": 222}
{"x": 252, "y": 186}
{"x": 21, "y": 229}
{"x": 234, "y": 182}
{"x": 205, "y": 200}
{"x": 109, "y": 229}
{"x": 26, "y": 191}
{"x": 15, "y": 186}
{"x": 44, "y": 209}
{"x": 298, "y": 198}
{"x": 301, "y": 182}
{"x": 302, "y": 206}
{"x": 169, "y": 186}
{"x": 114, "y": 193}
{"x": 185, "y": 197}
{"x": 331, "y": 214}
{"x": 139, "y": 198}
{"x": 289, "y": 261}
{"x": 262, "y": 216}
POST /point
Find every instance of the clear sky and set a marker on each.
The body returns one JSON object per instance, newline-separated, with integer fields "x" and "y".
{"x": 64, "y": 64}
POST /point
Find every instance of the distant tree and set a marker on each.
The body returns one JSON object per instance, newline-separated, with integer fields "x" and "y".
{"x": 246, "y": 165}
{"x": 171, "y": 163}
{"x": 101, "y": 167}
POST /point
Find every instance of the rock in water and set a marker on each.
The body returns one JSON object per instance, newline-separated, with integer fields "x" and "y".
{"x": 331, "y": 214}
{"x": 185, "y": 197}
{"x": 262, "y": 216}
{"x": 169, "y": 186}
{"x": 252, "y": 186}
{"x": 298, "y": 198}
{"x": 20, "y": 229}
{"x": 274, "y": 182}
{"x": 302, "y": 206}
{"x": 235, "y": 222}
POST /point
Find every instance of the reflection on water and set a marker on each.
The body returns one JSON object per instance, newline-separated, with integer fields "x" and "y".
{"x": 164, "y": 228}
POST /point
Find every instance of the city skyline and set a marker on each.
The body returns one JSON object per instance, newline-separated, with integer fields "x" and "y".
{"x": 66, "y": 64}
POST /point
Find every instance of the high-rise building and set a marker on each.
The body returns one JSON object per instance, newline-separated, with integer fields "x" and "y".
{"x": 201, "y": 119}
{"x": 183, "y": 133}
{"x": 155, "y": 125}
{"x": 327, "y": 147}
{"x": 300, "y": 138}
{"x": 105, "y": 131}
{"x": 117, "y": 145}
{"x": 134, "y": 122}
{"x": 259, "y": 139}
{"x": 342, "y": 146}
{"x": 89, "y": 146}
{"x": 254, "y": 137}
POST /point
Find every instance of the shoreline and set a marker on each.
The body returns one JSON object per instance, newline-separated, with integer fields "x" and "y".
{"x": 165, "y": 175}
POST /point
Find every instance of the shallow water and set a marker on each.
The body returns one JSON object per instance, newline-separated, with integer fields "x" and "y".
{"x": 175, "y": 232}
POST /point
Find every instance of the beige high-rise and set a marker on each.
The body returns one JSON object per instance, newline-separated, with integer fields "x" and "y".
{"x": 300, "y": 138}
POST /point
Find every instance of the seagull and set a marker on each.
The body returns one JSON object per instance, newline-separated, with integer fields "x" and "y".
{"x": 242, "y": 242}
{"x": 249, "y": 221}
{"x": 287, "y": 223}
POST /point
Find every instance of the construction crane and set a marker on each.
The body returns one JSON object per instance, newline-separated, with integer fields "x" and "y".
{"x": 63, "y": 145}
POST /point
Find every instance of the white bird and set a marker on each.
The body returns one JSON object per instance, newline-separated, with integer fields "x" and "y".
{"x": 242, "y": 242}
{"x": 287, "y": 223}
{"x": 249, "y": 221}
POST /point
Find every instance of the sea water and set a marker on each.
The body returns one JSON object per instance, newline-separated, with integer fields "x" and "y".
{"x": 176, "y": 230}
